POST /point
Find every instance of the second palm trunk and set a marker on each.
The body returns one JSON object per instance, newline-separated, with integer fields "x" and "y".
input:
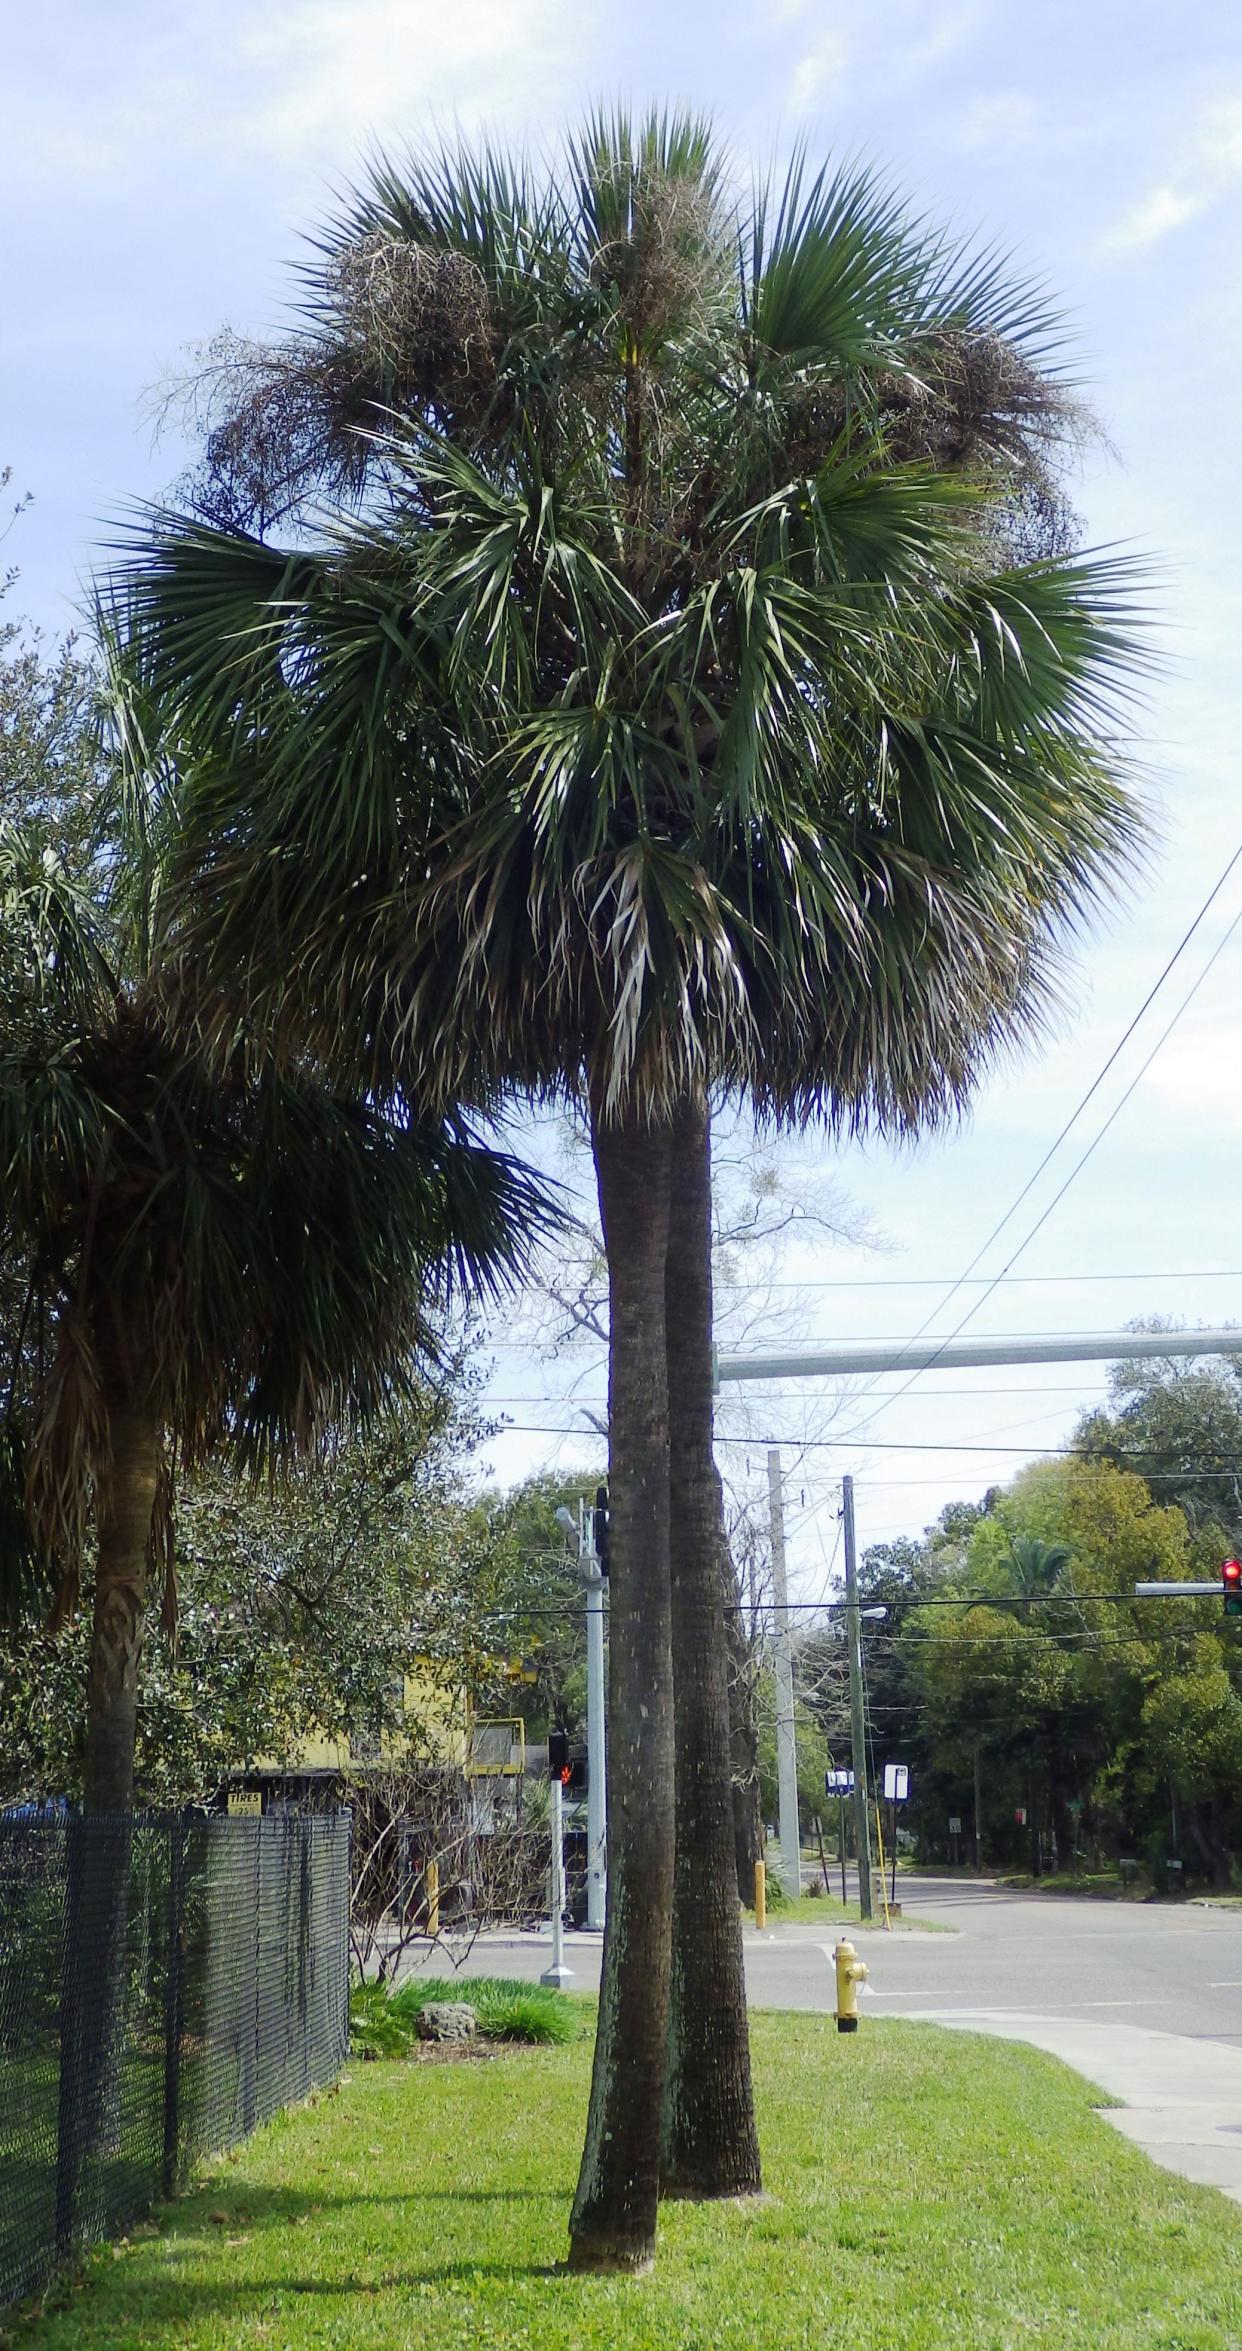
{"x": 710, "y": 2146}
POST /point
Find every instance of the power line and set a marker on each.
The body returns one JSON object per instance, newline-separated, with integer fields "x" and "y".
{"x": 1025, "y": 1281}
{"x": 860, "y": 1442}
{"x": 1076, "y": 1114}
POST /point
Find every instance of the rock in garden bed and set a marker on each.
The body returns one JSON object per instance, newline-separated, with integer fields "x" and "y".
{"x": 446, "y": 2020}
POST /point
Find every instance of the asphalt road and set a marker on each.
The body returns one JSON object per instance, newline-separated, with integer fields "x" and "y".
{"x": 1165, "y": 1967}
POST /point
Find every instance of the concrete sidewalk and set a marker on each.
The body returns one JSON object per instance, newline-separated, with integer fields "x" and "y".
{"x": 1182, "y": 2097}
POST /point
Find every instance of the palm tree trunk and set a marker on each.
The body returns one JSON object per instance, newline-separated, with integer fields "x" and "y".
{"x": 613, "y": 2224}
{"x": 710, "y": 2145}
{"x": 125, "y": 1514}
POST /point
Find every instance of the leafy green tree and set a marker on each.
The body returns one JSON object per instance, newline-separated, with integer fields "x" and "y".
{"x": 216, "y": 1255}
{"x": 672, "y": 717}
{"x": 1107, "y": 1718}
{"x": 538, "y": 1600}
{"x": 1178, "y": 1423}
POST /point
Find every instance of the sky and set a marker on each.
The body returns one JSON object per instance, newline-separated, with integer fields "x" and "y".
{"x": 158, "y": 171}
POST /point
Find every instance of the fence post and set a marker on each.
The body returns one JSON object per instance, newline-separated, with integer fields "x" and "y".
{"x": 251, "y": 2109}
{"x": 173, "y": 2002}
{"x": 68, "y": 2120}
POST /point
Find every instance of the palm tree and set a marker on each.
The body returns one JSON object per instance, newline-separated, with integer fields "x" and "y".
{"x": 211, "y": 1254}
{"x": 673, "y": 718}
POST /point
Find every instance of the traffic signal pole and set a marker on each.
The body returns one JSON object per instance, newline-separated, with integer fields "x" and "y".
{"x": 558, "y": 1975}
{"x": 858, "y": 1726}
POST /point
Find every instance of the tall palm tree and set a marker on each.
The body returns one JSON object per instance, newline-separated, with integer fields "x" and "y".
{"x": 672, "y": 717}
{"x": 212, "y": 1254}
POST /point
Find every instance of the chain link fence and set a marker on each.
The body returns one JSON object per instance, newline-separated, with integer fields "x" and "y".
{"x": 165, "y": 1986}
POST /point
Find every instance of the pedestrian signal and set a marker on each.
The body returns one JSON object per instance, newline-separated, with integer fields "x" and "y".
{"x": 558, "y": 1757}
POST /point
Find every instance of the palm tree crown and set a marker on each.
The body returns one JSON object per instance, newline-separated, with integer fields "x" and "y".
{"x": 236, "y": 1254}
{"x": 677, "y": 628}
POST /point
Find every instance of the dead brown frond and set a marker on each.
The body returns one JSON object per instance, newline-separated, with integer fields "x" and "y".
{"x": 70, "y": 1455}
{"x": 410, "y": 313}
{"x": 666, "y": 266}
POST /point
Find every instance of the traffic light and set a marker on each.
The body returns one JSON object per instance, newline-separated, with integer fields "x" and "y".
{"x": 599, "y": 1528}
{"x": 1231, "y": 1585}
{"x": 558, "y": 1757}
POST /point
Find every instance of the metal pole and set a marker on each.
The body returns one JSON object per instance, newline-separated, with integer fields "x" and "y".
{"x": 786, "y": 1739}
{"x": 597, "y": 1816}
{"x": 858, "y": 1730}
{"x": 974, "y": 1354}
{"x": 978, "y": 1812}
{"x": 558, "y": 1974}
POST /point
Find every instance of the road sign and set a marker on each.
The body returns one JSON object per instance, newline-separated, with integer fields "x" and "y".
{"x": 896, "y": 1783}
{"x": 955, "y": 1824}
{"x": 1020, "y": 1815}
{"x": 838, "y": 1783}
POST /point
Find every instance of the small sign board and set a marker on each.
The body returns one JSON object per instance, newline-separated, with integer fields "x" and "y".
{"x": 1020, "y": 1815}
{"x": 838, "y": 1783}
{"x": 896, "y": 1783}
{"x": 955, "y": 1824}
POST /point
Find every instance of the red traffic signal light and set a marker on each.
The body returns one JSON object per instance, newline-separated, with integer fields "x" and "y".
{"x": 1231, "y": 1585}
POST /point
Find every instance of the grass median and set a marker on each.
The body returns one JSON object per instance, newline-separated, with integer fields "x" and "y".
{"x": 925, "y": 2190}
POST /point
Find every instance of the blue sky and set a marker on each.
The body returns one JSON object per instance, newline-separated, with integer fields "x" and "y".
{"x": 157, "y": 170}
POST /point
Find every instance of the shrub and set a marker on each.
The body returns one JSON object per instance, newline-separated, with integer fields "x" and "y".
{"x": 384, "y": 2022}
{"x": 376, "y": 2029}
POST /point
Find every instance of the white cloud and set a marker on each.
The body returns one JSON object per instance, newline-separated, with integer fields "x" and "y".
{"x": 944, "y": 36}
{"x": 1211, "y": 169}
{"x": 339, "y": 70}
{"x": 997, "y": 121}
{"x": 1164, "y": 210}
{"x": 302, "y": 83}
{"x": 817, "y": 72}
{"x": 1195, "y": 1079}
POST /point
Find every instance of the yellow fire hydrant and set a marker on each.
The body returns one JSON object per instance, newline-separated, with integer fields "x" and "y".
{"x": 851, "y": 1972}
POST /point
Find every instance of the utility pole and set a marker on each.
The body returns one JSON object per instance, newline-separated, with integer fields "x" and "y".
{"x": 978, "y": 1811}
{"x": 597, "y": 1866}
{"x": 858, "y": 1728}
{"x": 786, "y": 1738}
{"x": 591, "y": 1570}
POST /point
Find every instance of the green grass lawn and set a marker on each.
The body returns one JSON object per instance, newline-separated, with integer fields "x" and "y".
{"x": 831, "y": 1913}
{"x": 925, "y": 2190}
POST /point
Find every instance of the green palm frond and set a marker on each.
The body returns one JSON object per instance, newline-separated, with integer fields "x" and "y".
{"x": 833, "y": 267}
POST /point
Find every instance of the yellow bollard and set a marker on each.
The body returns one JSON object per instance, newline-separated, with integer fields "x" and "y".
{"x": 851, "y": 1972}
{"x": 761, "y": 1894}
{"x": 431, "y": 1880}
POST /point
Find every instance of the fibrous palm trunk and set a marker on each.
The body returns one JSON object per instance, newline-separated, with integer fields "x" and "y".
{"x": 126, "y": 1508}
{"x": 710, "y": 2147}
{"x": 613, "y": 2224}
{"x": 94, "y": 1962}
